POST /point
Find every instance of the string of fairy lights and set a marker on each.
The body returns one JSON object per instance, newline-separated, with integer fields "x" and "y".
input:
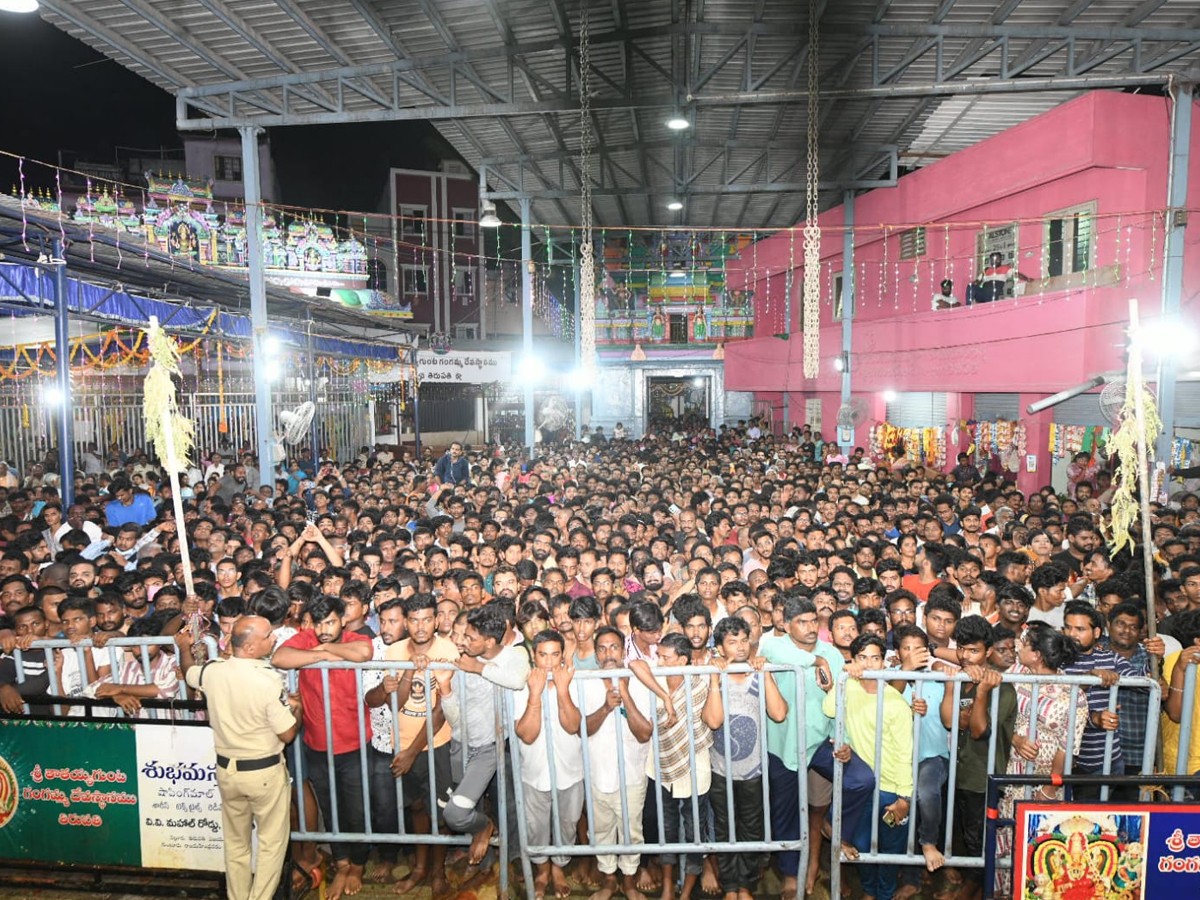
{"x": 898, "y": 266}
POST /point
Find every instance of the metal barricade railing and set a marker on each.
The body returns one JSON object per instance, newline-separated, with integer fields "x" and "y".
{"x": 1186, "y": 724}
{"x": 698, "y": 841}
{"x": 334, "y": 830}
{"x": 918, "y": 679}
{"x": 113, "y": 654}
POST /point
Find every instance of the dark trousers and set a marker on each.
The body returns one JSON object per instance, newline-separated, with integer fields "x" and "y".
{"x": 385, "y": 817}
{"x": 969, "y": 829}
{"x": 858, "y": 784}
{"x": 681, "y": 826}
{"x": 739, "y": 871}
{"x": 347, "y": 781}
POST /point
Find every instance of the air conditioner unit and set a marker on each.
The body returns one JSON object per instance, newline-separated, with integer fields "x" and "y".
{"x": 466, "y": 332}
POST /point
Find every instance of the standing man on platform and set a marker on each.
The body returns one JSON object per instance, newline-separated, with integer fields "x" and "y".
{"x": 252, "y": 718}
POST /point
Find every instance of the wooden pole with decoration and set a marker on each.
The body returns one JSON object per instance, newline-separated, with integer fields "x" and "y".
{"x": 171, "y": 433}
{"x": 1132, "y": 442}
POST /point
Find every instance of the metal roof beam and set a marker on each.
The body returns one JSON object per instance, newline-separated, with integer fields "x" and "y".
{"x": 1021, "y": 32}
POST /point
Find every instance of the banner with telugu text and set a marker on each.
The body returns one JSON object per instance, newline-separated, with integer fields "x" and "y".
{"x": 77, "y": 792}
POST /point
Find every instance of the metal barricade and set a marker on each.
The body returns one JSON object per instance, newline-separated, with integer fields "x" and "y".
{"x": 112, "y": 656}
{"x": 334, "y": 830}
{"x": 955, "y": 682}
{"x": 1186, "y": 724}
{"x": 699, "y": 840}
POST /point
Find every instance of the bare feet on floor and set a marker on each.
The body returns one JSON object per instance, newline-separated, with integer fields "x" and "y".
{"x": 480, "y": 843}
{"x": 934, "y": 859}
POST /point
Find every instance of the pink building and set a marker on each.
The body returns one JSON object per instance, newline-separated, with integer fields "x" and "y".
{"x": 1073, "y": 199}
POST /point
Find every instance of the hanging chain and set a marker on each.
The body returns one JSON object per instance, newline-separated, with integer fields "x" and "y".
{"x": 812, "y": 229}
{"x": 587, "y": 266}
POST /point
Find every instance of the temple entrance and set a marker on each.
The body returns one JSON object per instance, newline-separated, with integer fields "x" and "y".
{"x": 677, "y": 401}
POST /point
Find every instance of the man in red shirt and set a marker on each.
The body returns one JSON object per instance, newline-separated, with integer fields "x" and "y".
{"x": 333, "y": 758}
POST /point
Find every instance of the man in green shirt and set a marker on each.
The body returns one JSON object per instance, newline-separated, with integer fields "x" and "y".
{"x": 973, "y": 637}
{"x": 822, "y": 663}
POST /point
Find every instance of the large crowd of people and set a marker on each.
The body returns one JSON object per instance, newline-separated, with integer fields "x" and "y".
{"x": 766, "y": 559}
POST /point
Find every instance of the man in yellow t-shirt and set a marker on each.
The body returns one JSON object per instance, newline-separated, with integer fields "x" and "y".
{"x": 415, "y": 689}
{"x": 1186, "y": 630}
{"x": 893, "y": 769}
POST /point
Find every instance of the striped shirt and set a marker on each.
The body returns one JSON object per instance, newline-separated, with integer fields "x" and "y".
{"x": 1091, "y": 755}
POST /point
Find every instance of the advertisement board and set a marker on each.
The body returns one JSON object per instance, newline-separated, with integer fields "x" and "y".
{"x": 463, "y": 367}
{"x": 1110, "y": 851}
{"x": 109, "y": 794}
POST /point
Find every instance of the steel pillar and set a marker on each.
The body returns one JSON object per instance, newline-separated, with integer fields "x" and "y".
{"x": 1176, "y": 231}
{"x": 846, "y": 441}
{"x": 527, "y": 323}
{"x": 62, "y": 350}
{"x": 263, "y": 418}
{"x": 579, "y": 388}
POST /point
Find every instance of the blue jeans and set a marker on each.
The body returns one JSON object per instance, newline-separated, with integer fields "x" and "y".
{"x": 931, "y": 799}
{"x": 879, "y": 881}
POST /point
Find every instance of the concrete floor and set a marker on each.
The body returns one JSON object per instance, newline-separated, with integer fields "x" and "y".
{"x": 48, "y": 889}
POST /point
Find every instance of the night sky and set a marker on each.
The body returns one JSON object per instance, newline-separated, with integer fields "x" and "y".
{"x": 69, "y": 97}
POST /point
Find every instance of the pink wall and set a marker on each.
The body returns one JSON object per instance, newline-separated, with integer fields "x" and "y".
{"x": 1105, "y": 148}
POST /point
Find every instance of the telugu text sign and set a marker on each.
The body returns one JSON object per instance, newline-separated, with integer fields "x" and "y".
{"x": 461, "y": 367}
{"x": 111, "y": 793}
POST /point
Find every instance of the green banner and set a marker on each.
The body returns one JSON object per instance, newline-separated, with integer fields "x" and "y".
{"x": 68, "y": 791}
{"x": 112, "y": 794}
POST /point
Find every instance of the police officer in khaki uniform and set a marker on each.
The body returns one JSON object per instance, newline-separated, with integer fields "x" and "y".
{"x": 252, "y": 718}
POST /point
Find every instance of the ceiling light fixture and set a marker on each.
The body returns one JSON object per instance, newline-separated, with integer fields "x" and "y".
{"x": 488, "y": 219}
{"x": 678, "y": 122}
{"x": 675, "y": 205}
{"x": 18, "y": 6}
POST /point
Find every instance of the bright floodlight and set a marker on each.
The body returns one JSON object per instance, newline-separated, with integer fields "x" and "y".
{"x": 1165, "y": 337}
{"x": 889, "y": 396}
{"x": 530, "y": 369}
{"x": 839, "y": 364}
{"x": 18, "y": 6}
{"x": 678, "y": 123}
{"x": 52, "y": 395}
{"x": 271, "y": 345}
{"x": 580, "y": 379}
{"x": 675, "y": 206}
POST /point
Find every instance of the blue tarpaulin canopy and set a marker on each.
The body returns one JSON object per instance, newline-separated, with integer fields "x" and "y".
{"x": 28, "y": 290}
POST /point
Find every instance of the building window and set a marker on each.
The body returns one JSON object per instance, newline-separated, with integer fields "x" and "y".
{"x": 464, "y": 223}
{"x": 229, "y": 168}
{"x": 839, "y": 282}
{"x": 464, "y": 283}
{"x": 912, "y": 243}
{"x": 415, "y": 280}
{"x": 1068, "y": 240}
{"x": 412, "y": 222}
{"x": 1001, "y": 239}
{"x": 377, "y": 275}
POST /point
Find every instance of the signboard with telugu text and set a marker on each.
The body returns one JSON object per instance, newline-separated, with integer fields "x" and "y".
{"x": 104, "y": 794}
{"x": 1111, "y": 851}
{"x": 464, "y": 367}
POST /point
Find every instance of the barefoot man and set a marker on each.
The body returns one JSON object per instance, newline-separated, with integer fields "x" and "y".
{"x": 617, "y": 724}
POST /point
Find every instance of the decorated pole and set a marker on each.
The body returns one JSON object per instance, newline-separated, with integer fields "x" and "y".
{"x": 171, "y": 433}
{"x": 1139, "y": 425}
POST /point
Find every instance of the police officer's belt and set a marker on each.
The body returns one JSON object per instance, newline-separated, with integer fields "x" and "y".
{"x": 249, "y": 765}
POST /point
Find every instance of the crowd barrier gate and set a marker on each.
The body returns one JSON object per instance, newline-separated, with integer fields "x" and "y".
{"x": 918, "y": 679}
{"x": 510, "y": 794}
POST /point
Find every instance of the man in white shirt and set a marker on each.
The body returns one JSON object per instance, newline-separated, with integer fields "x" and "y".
{"x": 618, "y": 730}
{"x": 547, "y": 724}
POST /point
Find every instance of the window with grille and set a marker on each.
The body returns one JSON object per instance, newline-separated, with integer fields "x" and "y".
{"x": 1069, "y": 235}
{"x": 228, "y": 168}
{"x": 912, "y": 243}
{"x": 415, "y": 281}
{"x": 412, "y": 222}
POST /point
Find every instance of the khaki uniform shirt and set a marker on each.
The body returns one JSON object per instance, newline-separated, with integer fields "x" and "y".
{"x": 246, "y": 706}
